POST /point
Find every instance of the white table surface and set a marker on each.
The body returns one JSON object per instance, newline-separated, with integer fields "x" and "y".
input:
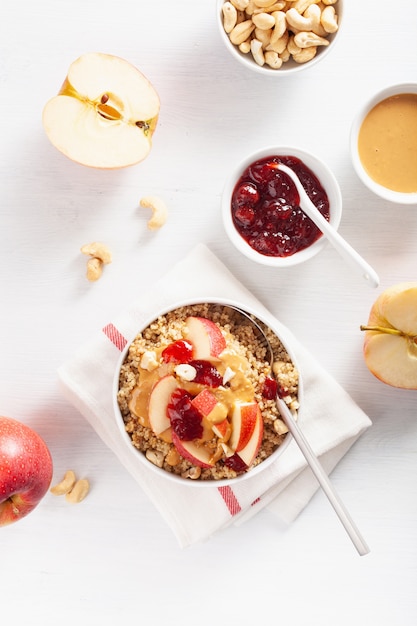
{"x": 113, "y": 557}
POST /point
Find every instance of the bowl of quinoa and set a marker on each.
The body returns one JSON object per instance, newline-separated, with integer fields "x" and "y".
{"x": 195, "y": 390}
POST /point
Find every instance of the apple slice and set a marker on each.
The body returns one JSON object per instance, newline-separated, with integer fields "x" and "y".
{"x": 222, "y": 430}
{"x": 158, "y": 402}
{"x": 209, "y": 407}
{"x": 105, "y": 113}
{"x": 197, "y": 455}
{"x": 249, "y": 452}
{"x": 206, "y": 337}
{"x": 390, "y": 344}
{"x": 245, "y": 417}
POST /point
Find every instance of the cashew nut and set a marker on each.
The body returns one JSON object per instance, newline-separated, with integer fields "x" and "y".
{"x": 301, "y": 5}
{"x": 99, "y": 255}
{"x": 263, "y": 3}
{"x": 305, "y": 55}
{"x": 272, "y": 59}
{"x": 241, "y": 32}
{"x": 229, "y": 16}
{"x": 98, "y": 250}
{"x": 155, "y": 456}
{"x": 94, "y": 269}
{"x": 280, "y": 26}
{"x": 264, "y": 21}
{"x": 276, "y": 6}
{"x": 66, "y": 484}
{"x": 240, "y": 4}
{"x": 78, "y": 492}
{"x": 297, "y": 21}
{"x": 257, "y": 52}
{"x": 159, "y": 211}
{"x": 192, "y": 472}
{"x": 328, "y": 19}
{"x": 308, "y": 40}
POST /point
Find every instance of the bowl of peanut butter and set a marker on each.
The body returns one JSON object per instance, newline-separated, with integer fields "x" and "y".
{"x": 383, "y": 143}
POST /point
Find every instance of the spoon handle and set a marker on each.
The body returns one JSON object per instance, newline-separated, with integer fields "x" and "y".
{"x": 322, "y": 478}
{"x": 341, "y": 245}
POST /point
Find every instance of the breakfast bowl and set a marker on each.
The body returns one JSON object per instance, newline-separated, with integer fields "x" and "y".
{"x": 260, "y": 206}
{"x": 194, "y": 393}
{"x": 275, "y": 38}
{"x": 383, "y": 143}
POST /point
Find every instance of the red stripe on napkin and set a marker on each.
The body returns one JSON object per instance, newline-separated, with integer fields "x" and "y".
{"x": 230, "y": 500}
{"x": 115, "y": 336}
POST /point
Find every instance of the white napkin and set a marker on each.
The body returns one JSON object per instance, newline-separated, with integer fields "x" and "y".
{"x": 330, "y": 419}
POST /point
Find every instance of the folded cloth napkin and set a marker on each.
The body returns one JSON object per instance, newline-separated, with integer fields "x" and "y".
{"x": 331, "y": 421}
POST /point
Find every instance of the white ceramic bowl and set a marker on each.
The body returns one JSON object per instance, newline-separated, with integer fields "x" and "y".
{"x": 367, "y": 106}
{"x": 288, "y": 68}
{"x": 325, "y": 177}
{"x": 135, "y": 457}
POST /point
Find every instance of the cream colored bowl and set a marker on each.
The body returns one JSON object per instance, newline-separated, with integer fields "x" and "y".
{"x": 322, "y": 173}
{"x": 289, "y": 67}
{"x": 133, "y": 455}
{"x": 362, "y": 172}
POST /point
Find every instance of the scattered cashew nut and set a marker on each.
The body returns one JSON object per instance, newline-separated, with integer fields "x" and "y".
{"x": 78, "y": 492}
{"x": 274, "y": 31}
{"x": 74, "y": 490}
{"x": 99, "y": 255}
{"x": 66, "y": 484}
{"x": 159, "y": 211}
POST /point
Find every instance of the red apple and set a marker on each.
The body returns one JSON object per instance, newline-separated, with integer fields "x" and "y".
{"x": 158, "y": 402}
{"x": 245, "y": 417}
{"x": 206, "y": 337}
{"x": 209, "y": 407}
{"x": 197, "y": 455}
{"x": 25, "y": 470}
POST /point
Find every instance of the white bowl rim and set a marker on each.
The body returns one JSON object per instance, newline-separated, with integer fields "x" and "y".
{"x": 381, "y": 191}
{"x": 321, "y": 171}
{"x": 136, "y": 456}
{"x": 287, "y": 69}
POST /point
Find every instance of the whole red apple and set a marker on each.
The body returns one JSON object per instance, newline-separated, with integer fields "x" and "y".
{"x": 25, "y": 470}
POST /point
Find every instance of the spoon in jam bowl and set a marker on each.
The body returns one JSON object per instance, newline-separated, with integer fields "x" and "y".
{"x": 341, "y": 245}
{"x": 300, "y": 439}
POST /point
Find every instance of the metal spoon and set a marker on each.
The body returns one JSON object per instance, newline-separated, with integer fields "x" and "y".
{"x": 305, "y": 447}
{"x": 341, "y": 245}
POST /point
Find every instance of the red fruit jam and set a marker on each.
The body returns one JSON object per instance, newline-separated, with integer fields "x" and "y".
{"x": 265, "y": 207}
{"x": 270, "y": 389}
{"x": 185, "y": 419}
{"x": 207, "y": 374}
{"x": 236, "y": 463}
{"x": 178, "y": 352}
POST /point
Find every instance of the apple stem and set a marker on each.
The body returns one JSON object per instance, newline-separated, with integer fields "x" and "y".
{"x": 384, "y": 329}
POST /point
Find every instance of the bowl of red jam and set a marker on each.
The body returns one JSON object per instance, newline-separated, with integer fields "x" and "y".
{"x": 261, "y": 206}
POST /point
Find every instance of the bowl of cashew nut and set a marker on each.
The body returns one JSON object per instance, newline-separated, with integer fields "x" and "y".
{"x": 278, "y": 37}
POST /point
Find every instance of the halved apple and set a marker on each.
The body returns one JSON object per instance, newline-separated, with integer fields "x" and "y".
{"x": 390, "y": 344}
{"x": 197, "y": 455}
{"x": 158, "y": 402}
{"x": 105, "y": 113}
{"x": 244, "y": 419}
{"x": 206, "y": 337}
